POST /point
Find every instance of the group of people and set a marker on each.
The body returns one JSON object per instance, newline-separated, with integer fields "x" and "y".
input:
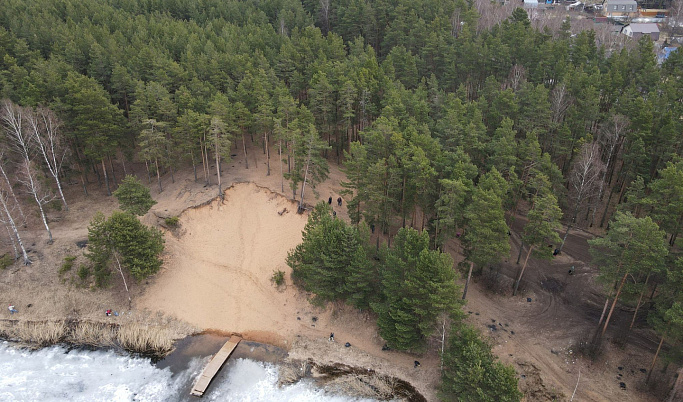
{"x": 339, "y": 201}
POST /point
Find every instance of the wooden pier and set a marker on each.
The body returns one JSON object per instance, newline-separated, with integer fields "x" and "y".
{"x": 214, "y": 365}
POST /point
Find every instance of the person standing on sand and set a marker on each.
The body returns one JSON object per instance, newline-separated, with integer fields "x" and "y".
{"x": 339, "y": 201}
{"x": 329, "y": 201}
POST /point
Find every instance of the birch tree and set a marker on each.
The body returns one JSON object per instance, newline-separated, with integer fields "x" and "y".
{"x": 29, "y": 177}
{"x": 583, "y": 181}
{"x": 44, "y": 128}
{"x": 611, "y": 138}
{"x": 9, "y": 189}
{"x": 13, "y": 118}
{"x": 7, "y": 218}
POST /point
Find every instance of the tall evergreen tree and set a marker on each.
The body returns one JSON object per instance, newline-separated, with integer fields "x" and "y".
{"x": 418, "y": 285}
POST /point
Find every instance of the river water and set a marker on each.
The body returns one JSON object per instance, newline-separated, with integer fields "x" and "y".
{"x": 59, "y": 374}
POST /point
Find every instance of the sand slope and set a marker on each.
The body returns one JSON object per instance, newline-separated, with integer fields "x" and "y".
{"x": 218, "y": 267}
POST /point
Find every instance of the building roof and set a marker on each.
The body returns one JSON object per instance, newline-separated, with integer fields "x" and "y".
{"x": 621, "y": 2}
{"x": 644, "y": 28}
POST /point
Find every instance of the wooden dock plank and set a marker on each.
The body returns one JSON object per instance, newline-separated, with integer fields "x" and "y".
{"x": 214, "y": 365}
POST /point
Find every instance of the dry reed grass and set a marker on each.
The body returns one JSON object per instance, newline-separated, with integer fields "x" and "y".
{"x": 93, "y": 334}
{"x": 41, "y": 333}
{"x": 132, "y": 337}
{"x": 145, "y": 339}
{"x": 38, "y": 333}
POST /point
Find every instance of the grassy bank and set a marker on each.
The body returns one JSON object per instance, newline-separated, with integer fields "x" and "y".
{"x": 145, "y": 339}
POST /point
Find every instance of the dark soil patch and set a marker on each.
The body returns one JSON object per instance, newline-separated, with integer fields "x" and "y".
{"x": 553, "y": 285}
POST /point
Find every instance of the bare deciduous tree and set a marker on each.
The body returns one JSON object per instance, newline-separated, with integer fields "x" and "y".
{"x": 611, "y": 137}
{"x": 676, "y": 16}
{"x": 29, "y": 176}
{"x": 583, "y": 181}
{"x": 44, "y": 126}
{"x": 560, "y": 100}
{"x": 492, "y": 13}
{"x": 9, "y": 188}
{"x": 325, "y": 15}
{"x": 12, "y": 118}
{"x": 6, "y": 217}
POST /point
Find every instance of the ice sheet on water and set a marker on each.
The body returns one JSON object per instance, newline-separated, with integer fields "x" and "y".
{"x": 55, "y": 374}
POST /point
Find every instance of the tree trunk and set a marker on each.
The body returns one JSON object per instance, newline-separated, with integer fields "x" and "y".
{"x": 519, "y": 255}
{"x": 61, "y": 194}
{"x": 44, "y": 218}
{"x": 6, "y": 209}
{"x": 85, "y": 188}
{"x": 265, "y": 139}
{"x": 156, "y": 163}
{"x": 521, "y": 273}
{"x": 244, "y": 148}
{"x": 14, "y": 196}
{"x": 614, "y": 303}
{"x": 123, "y": 165}
{"x": 218, "y": 169}
{"x": 403, "y": 202}
{"x": 118, "y": 263}
{"x": 13, "y": 241}
{"x": 194, "y": 166}
{"x": 604, "y": 310}
{"x": 640, "y": 299}
{"x": 652, "y": 366}
{"x": 677, "y": 390}
{"x": 97, "y": 173}
{"x": 149, "y": 176}
{"x": 308, "y": 163}
{"x": 604, "y": 212}
{"x": 282, "y": 173}
{"x": 111, "y": 166}
{"x": 467, "y": 282}
{"x": 106, "y": 178}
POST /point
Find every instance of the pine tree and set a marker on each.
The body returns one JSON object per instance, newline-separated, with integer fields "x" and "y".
{"x": 122, "y": 241}
{"x": 632, "y": 248}
{"x": 418, "y": 285}
{"x": 472, "y": 372}
{"x": 486, "y": 236}
{"x": 544, "y": 220}
{"x": 133, "y": 196}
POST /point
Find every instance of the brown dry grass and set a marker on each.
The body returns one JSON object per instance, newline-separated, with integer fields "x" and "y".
{"x": 133, "y": 337}
{"x": 93, "y": 334}
{"x": 145, "y": 339}
{"x": 40, "y": 333}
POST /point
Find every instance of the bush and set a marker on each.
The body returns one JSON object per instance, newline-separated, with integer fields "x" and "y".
{"x": 172, "y": 222}
{"x": 83, "y": 272}
{"x": 278, "y": 278}
{"x": 67, "y": 264}
{"x": 6, "y": 261}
